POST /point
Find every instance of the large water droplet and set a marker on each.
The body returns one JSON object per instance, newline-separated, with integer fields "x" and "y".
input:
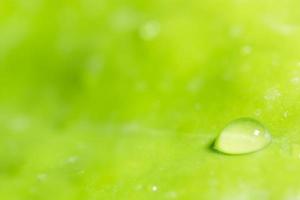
{"x": 242, "y": 136}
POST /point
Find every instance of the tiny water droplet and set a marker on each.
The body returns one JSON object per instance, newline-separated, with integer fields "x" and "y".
{"x": 246, "y": 50}
{"x": 258, "y": 112}
{"x": 286, "y": 114}
{"x": 141, "y": 86}
{"x": 197, "y": 106}
{"x": 171, "y": 195}
{"x": 295, "y": 80}
{"x": 138, "y": 187}
{"x": 154, "y": 188}
{"x": 42, "y": 177}
{"x": 150, "y": 30}
{"x": 235, "y": 31}
{"x": 72, "y": 159}
{"x": 272, "y": 94}
{"x": 295, "y": 150}
{"x": 242, "y": 136}
{"x": 275, "y": 62}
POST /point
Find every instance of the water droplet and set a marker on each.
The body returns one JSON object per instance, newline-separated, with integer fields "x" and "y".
{"x": 275, "y": 62}
{"x": 283, "y": 29}
{"x": 171, "y": 195}
{"x": 20, "y": 123}
{"x": 295, "y": 80}
{"x": 246, "y": 50}
{"x": 242, "y": 136}
{"x": 286, "y": 114}
{"x": 197, "y": 107}
{"x": 124, "y": 20}
{"x": 141, "y": 86}
{"x": 42, "y": 177}
{"x": 235, "y": 31}
{"x": 272, "y": 94}
{"x": 138, "y": 187}
{"x": 94, "y": 65}
{"x": 154, "y": 188}
{"x": 292, "y": 195}
{"x": 131, "y": 127}
{"x": 72, "y": 159}
{"x": 33, "y": 190}
{"x": 245, "y": 68}
{"x": 194, "y": 86}
{"x": 258, "y": 112}
{"x": 150, "y": 30}
{"x": 295, "y": 150}
{"x": 81, "y": 172}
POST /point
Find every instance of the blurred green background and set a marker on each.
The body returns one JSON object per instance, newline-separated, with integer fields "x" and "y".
{"x": 112, "y": 99}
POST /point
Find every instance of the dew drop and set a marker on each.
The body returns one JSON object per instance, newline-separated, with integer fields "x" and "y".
{"x": 154, "y": 188}
{"x": 197, "y": 107}
{"x": 246, "y": 50}
{"x": 171, "y": 195}
{"x": 138, "y": 187}
{"x": 295, "y": 150}
{"x": 235, "y": 31}
{"x": 244, "y": 135}
{"x": 258, "y": 112}
{"x": 150, "y": 30}
{"x": 295, "y": 80}
{"x": 72, "y": 159}
{"x": 272, "y": 94}
{"x": 42, "y": 177}
{"x": 286, "y": 114}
